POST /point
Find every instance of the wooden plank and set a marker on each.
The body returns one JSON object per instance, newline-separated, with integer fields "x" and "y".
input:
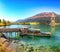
{"x": 10, "y": 29}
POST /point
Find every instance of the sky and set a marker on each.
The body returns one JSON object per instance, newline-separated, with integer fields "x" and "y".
{"x": 21, "y": 9}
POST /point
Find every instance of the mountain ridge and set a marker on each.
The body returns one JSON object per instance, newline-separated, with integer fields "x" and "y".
{"x": 42, "y": 17}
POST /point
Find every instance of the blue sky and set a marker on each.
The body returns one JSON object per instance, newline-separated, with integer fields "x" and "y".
{"x": 20, "y": 9}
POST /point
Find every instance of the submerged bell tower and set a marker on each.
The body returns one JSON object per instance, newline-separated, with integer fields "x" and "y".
{"x": 52, "y": 23}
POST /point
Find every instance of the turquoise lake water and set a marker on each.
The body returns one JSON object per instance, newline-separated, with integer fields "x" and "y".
{"x": 54, "y": 40}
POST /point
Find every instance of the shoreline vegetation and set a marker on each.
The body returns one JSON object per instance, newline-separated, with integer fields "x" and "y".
{"x": 4, "y": 22}
{"x": 31, "y": 23}
{"x": 26, "y": 23}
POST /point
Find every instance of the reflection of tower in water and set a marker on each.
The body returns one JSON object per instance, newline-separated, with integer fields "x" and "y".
{"x": 52, "y": 30}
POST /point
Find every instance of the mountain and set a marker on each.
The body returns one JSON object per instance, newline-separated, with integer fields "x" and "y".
{"x": 20, "y": 20}
{"x": 44, "y": 17}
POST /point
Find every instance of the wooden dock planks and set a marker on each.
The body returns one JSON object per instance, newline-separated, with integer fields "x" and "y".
{"x": 9, "y": 29}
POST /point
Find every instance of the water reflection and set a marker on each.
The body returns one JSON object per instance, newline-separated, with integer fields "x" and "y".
{"x": 52, "y": 30}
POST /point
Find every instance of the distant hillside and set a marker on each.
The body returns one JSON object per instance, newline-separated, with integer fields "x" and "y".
{"x": 42, "y": 17}
{"x": 20, "y": 20}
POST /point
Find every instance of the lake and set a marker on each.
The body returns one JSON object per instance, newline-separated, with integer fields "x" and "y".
{"x": 54, "y": 40}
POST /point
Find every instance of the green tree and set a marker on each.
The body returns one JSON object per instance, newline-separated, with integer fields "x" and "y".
{"x": 8, "y": 22}
{"x": 4, "y": 22}
{"x": 0, "y": 20}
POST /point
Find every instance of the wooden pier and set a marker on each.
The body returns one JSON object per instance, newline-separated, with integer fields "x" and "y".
{"x": 8, "y": 32}
{"x": 22, "y": 31}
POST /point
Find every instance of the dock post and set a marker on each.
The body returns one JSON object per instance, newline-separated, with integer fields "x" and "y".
{"x": 15, "y": 34}
{"x": 10, "y": 34}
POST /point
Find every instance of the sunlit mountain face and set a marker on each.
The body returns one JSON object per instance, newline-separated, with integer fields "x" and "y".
{"x": 44, "y": 14}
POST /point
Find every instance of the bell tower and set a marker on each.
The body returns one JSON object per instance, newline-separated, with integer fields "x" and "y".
{"x": 52, "y": 23}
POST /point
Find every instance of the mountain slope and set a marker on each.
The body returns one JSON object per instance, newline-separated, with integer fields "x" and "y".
{"x": 44, "y": 17}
